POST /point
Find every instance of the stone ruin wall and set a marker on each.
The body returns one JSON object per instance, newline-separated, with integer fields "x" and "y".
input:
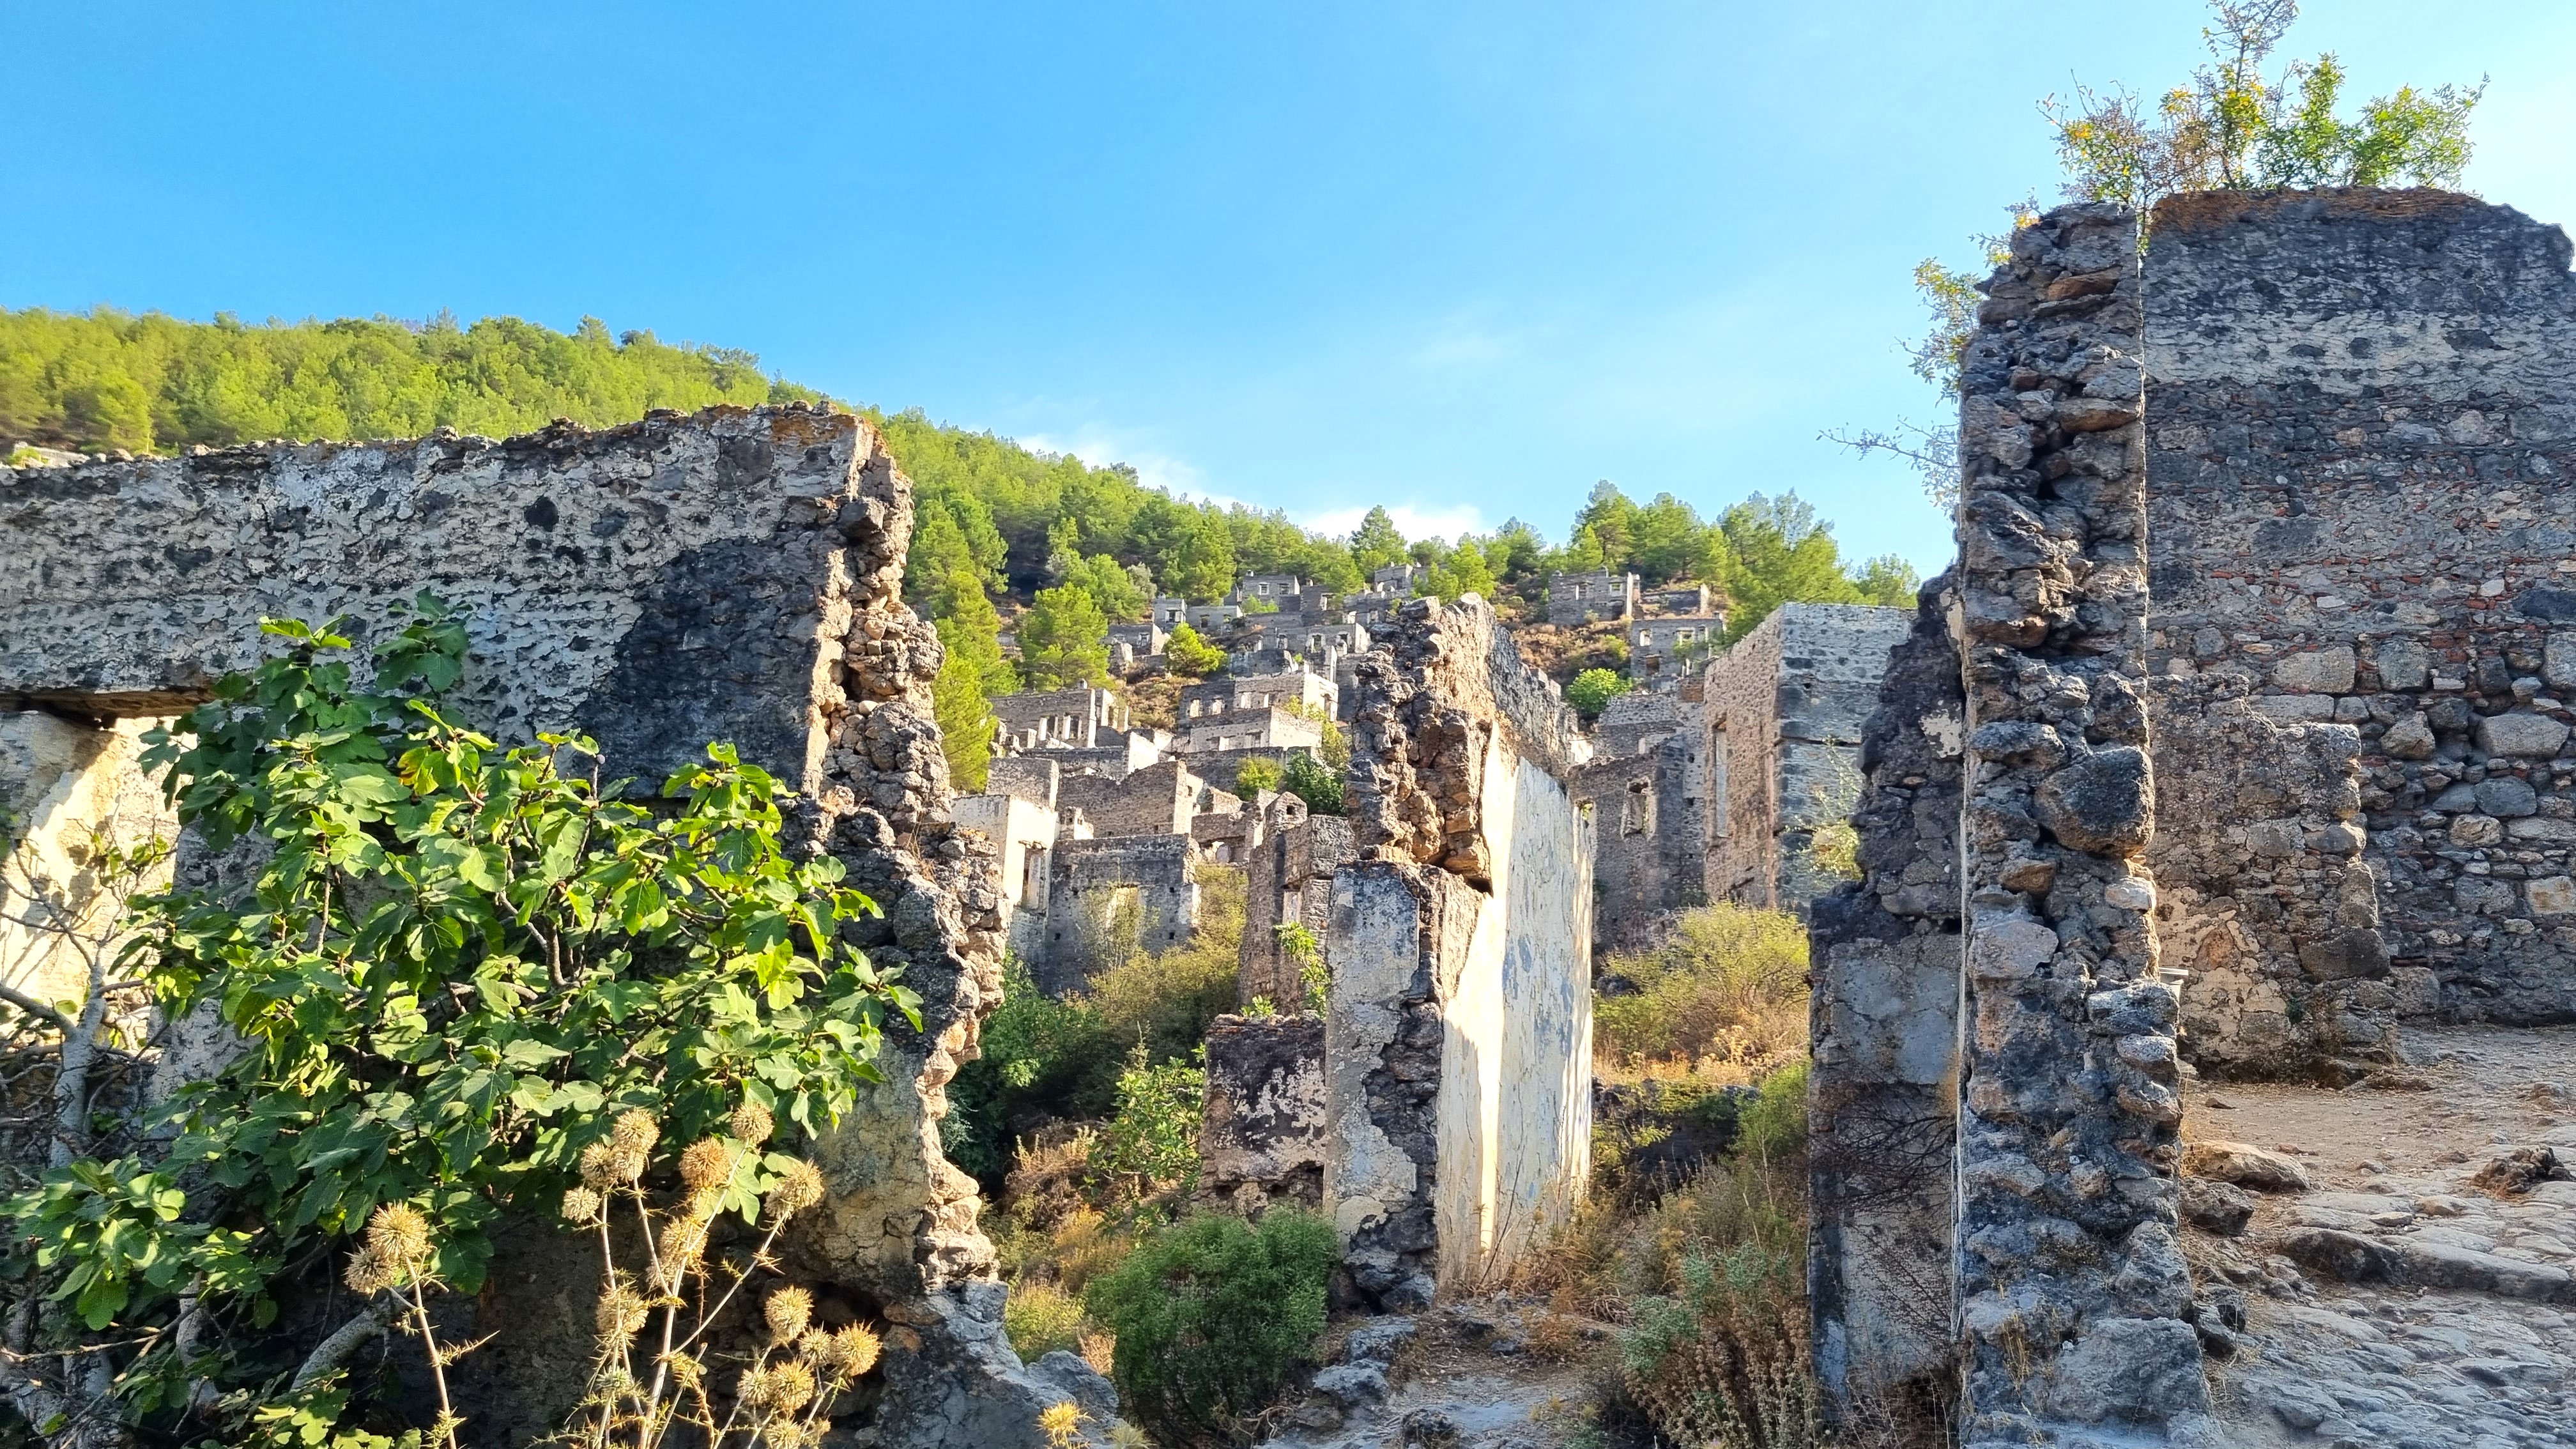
{"x": 1458, "y": 1034}
{"x": 1787, "y": 704}
{"x": 1108, "y": 898}
{"x": 734, "y": 575}
{"x": 1742, "y": 689}
{"x": 1883, "y": 1088}
{"x": 1288, "y": 880}
{"x": 2073, "y": 1294}
{"x": 2311, "y": 657}
{"x": 2361, "y": 426}
{"x": 1655, "y": 784}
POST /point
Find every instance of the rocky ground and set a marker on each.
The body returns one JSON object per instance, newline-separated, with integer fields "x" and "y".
{"x": 1475, "y": 1375}
{"x": 2393, "y": 1267}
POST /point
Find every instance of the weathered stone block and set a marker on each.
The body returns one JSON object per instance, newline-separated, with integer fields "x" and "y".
{"x": 2526, "y": 736}
{"x": 2320, "y": 671}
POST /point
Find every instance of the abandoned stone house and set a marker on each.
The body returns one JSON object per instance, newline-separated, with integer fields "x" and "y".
{"x": 1662, "y": 652}
{"x": 2235, "y": 740}
{"x": 1587, "y": 598}
{"x": 1715, "y": 790}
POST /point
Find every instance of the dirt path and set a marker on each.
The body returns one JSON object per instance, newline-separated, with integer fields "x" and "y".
{"x": 2394, "y": 1302}
{"x": 1463, "y": 1377}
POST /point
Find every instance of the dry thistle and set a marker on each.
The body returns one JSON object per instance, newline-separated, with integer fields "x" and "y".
{"x": 707, "y": 1164}
{"x": 622, "y": 1312}
{"x": 399, "y": 1232}
{"x": 791, "y": 1386}
{"x": 636, "y": 1131}
{"x": 856, "y": 1347}
{"x": 1061, "y": 1423}
{"x": 751, "y": 1123}
{"x": 371, "y": 1272}
{"x": 684, "y": 1245}
{"x": 598, "y": 1165}
{"x": 582, "y": 1206}
{"x": 687, "y": 1372}
{"x": 788, "y": 1310}
{"x": 799, "y": 1188}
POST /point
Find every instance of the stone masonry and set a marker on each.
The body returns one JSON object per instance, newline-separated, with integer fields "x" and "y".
{"x": 1787, "y": 703}
{"x": 1458, "y": 1033}
{"x": 2361, "y": 427}
{"x": 734, "y": 575}
{"x": 1883, "y": 1090}
{"x": 2073, "y": 1292}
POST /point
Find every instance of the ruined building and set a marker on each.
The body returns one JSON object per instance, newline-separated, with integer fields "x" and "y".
{"x": 2237, "y": 737}
{"x": 1584, "y": 598}
{"x": 729, "y": 576}
{"x": 1440, "y": 1108}
{"x": 1716, "y": 789}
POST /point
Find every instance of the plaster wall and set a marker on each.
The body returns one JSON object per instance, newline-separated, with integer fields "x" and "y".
{"x": 67, "y": 788}
{"x": 1514, "y": 1109}
{"x": 1458, "y": 1030}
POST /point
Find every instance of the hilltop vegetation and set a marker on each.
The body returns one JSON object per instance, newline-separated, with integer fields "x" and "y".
{"x": 1065, "y": 547}
{"x": 149, "y": 383}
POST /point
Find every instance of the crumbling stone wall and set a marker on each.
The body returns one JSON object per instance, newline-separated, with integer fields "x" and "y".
{"x": 1459, "y": 1026}
{"x": 1883, "y": 1092}
{"x": 1288, "y": 879}
{"x": 2073, "y": 1291}
{"x": 2261, "y": 893}
{"x": 1157, "y": 799}
{"x": 2362, "y": 423}
{"x": 2284, "y": 723}
{"x": 1261, "y": 1139}
{"x": 1655, "y": 782}
{"x": 1112, "y": 896}
{"x": 735, "y": 575}
{"x": 1788, "y": 701}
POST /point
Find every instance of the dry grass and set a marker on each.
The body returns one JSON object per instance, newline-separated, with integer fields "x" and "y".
{"x": 1561, "y": 653}
{"x": 1723, "y": 1000}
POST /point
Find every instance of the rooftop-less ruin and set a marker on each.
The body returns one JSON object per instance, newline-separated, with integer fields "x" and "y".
{"x": 2233, "y": 751}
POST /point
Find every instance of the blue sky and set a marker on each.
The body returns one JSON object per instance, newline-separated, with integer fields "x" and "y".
{"x": 1459, "y": 259}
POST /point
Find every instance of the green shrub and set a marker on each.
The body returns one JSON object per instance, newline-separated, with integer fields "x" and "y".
{"x": 1187, "y": 653}
{"x": 1593, "y": 689}
{"x": 1310, "y": 780}
{"x": 1211, "y": 1316}
{"x": 1152, "y": 1142}
{"x": 1255, "y": 776}
{"x": 470, "y": 978}
{"x": 1729, "y": 985}
{"x": 1775, "y": 1124}
{"x": 1041, "y": 1318}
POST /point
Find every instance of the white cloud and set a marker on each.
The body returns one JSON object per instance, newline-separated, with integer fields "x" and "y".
{"x": 1446, "y": 520}
{"x": 1100, "y": 447}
